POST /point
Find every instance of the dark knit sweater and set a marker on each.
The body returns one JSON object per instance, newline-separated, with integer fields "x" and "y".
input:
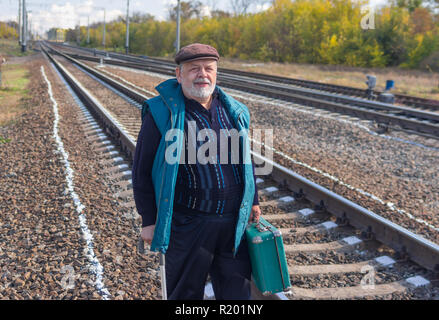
{"x": 211, "y": 188}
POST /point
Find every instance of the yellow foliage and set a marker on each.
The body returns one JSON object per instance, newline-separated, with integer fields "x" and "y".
{"x": 310, "y": 31}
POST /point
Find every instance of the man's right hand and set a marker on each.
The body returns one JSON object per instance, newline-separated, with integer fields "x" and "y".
{"x": 147, "y": 233}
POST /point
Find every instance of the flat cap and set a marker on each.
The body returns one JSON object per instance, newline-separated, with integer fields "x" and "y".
{"x": 196, "y": 51}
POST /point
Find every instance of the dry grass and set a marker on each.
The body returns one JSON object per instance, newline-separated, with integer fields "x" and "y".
{"x": 15, "y": 78}
{"x": 11, "y": 48}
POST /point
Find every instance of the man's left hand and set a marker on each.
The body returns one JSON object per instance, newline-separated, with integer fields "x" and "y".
{"x": 255, "y": 214}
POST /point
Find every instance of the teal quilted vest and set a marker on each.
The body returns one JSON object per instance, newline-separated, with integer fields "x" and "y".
{"x": 168, "y": 111}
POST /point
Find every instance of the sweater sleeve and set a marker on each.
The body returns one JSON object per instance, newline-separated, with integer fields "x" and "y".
{"x": 143, "y": 188}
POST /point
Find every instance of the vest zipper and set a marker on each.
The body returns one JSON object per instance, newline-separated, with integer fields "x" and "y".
{"x": 163, "y": 176}
{"x": 243, "y": 179}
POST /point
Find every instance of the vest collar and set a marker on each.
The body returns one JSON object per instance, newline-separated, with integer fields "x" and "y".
{"x": 235, "y": 109}
{"x": 171, "y": 92}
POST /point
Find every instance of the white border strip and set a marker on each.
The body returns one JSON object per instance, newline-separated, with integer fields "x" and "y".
{"x": 94, "y": 265}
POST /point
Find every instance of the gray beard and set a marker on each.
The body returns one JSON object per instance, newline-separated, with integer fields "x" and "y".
{"x": 202, "y": 93}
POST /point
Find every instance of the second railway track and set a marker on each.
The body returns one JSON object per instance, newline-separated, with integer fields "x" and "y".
{"x": 351, "y": 252}
{"x": 389, "y": 116}
{"x": 428, "y": 104}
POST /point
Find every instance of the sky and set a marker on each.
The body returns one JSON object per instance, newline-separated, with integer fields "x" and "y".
{"x": 46, "y": 14}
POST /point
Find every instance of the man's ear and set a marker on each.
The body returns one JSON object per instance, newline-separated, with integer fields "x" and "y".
{"x": 177, "y": 74}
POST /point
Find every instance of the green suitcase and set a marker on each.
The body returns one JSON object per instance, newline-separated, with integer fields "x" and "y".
{"x": 267, "y": 255}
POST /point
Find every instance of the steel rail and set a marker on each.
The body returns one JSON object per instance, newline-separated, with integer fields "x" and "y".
{"x": 244, "y": 77}
{"x": 428, "y": 125}
{"x": 361, "y": 112}
{"x": 126, "y": 143}
{"x": 419, "y": 249}
{"x": 138, "y": 97}
{"x": 344, "y": 99}
{"x": 400, "y": 98}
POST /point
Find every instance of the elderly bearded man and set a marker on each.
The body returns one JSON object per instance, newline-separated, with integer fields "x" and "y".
{"x": 196, "y": 209}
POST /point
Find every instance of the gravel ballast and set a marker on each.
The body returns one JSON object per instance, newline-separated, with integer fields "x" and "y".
{"x": 43, "y": 247}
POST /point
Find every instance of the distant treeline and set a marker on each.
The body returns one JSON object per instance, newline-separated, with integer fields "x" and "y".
{"x": 344, "y": 32}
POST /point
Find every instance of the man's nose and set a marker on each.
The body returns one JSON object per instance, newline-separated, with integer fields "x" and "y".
{"x": 202, "y": 72}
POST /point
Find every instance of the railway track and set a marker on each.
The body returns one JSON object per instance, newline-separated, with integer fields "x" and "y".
{"x": 429, "y": 104}
{"x": 388, "y": 116}
{"x": 335, "y": 248}
{"x": 422, "y": 103}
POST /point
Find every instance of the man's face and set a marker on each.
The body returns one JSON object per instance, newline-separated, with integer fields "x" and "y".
{"x": 197, "y": 78}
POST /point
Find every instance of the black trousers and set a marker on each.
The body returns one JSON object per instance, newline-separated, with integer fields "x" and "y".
{"x": 200, "y": 245}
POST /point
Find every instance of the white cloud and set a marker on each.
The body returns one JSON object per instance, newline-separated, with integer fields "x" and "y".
{"x": 136, "y": 4}
{"x": 8, "y": 17}
{"x": 68, "y": 15}
{"x": 205, "y": 11}
{"x": 170, "y": 3}
{"x": 263, "y": 6}
{"x": 85, "y": 8}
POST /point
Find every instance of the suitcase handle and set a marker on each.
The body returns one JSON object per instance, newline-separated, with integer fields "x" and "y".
{"x": 261, "y": 228}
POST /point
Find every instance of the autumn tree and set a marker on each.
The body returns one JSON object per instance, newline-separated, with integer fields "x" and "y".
{"x": 409, "y": 4}
{"x": 7, "y": 30}
{"x": 139, "y": 17}
{"x": 421, "y": 20}
{"x": 301, "y": 31}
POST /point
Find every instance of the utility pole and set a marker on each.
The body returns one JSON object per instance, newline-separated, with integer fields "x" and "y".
{"x": 127, "y": 37}
{"x": 103, "y": 35}
{"x": 178, "y": 26}
{"x": 19, "y": 23}
{"x": 24, "y": 27}
{"x": 88, "y": 29}
{"x": 78, "y": 33}
{"x": 28, "y": 34}
{"x": 29, "y": 30}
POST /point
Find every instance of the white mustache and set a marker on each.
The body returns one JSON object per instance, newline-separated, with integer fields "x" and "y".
{"x": 202, "y": 80}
